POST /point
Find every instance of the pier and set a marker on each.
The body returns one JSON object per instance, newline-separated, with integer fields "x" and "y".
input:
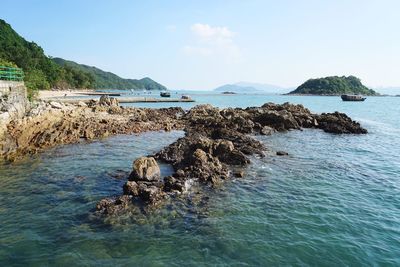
{"x": 122, "y": 100}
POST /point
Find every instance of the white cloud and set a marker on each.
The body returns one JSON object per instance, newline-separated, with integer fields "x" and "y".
{"x": 208, "y": 33}
{"x": 212, "y": 41}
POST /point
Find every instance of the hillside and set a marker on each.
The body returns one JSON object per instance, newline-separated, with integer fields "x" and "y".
{"x": 108, "y": 80}
{"x": 43, "y": 72}
{"x": 333, "y": 85}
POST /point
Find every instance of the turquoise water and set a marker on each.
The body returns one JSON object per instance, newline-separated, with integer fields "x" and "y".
{"x": 335, "y": 200}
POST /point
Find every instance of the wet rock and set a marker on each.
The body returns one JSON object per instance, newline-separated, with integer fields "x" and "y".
{"x": 145, "y": 169}
{"x": 131, "y": 188}
{"x": 281, "y": 153}
{"x": 173, "y": 184}
{"x": 113, "y": 205}
{"x": 118, "y": 174}
{"x": 150, "y": 193}
{"x": 239, "y": 174}
{"x": 266, "y": 130}
{"x": 339, "y": 123}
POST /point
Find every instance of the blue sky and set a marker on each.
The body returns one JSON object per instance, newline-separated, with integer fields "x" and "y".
{"x": 203, "y": 44}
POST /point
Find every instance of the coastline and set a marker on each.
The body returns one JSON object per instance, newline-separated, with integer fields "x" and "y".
{"x": 49, "y": 94}
{"x": 216, "y": 146}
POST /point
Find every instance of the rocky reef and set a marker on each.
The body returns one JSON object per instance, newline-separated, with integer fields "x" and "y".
{"x": 216, "y": 147}
{"x": 217, "y": 144}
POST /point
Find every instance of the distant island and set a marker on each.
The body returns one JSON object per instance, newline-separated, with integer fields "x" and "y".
{"x": 236, "y": 89}
{"x": 333, "y": 85}
{"x": 250, "y": 88}
{"x": 44, "y": 72}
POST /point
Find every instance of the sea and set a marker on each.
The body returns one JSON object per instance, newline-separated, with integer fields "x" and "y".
{"x": 334, "y": 201}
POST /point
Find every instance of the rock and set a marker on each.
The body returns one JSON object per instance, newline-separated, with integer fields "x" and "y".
{"x": 131, "y": 188}
{"x": 280, "y": 120}
{"x": 82, "y": 104}
{"x": 105, "y": 100}
{"x": 171, "y": 184}
{"x": 234, "y": 158}
{"x": 222, "y": 147}
{"x": 145, "y": 169}
{"x": 281, "y": 153}
{"x": 150, "y": 193}
{"x": 266, "y": 130}
{"x": 56, "y": 105}
{"x": 239, "y": 174}
{"x": 339, "y": 123}
{"x": 113, "y": 205}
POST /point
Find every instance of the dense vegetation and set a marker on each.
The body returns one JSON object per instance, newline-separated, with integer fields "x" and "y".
{"x": 43, "y": 72}
{"x": 334, "y": 85}
{"x": 102, "y": 79}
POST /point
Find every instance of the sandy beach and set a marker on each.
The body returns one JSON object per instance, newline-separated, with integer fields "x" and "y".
{"x": 48, "y": 94}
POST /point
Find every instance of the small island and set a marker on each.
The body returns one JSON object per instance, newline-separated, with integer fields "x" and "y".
{"x": 333, "y": 85}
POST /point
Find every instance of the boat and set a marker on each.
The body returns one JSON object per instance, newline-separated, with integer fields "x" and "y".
{"x": 165, "y": 94}
{"x": 186, "y": 97}
{"x": 353, "y": 97}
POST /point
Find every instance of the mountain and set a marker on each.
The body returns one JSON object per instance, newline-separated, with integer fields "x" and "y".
{"x": 236, "y": 89}
{"x": 269, "y": 88}
{"x": 247, "y": 87}
{"x": 108, "y": 80}
{"x": 333, "y": 85}
{"x": 44, "y": 72}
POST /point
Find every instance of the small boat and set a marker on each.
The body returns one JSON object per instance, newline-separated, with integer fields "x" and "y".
{"x": 185, "y": 97}
{"x": 165, "y": 94}
{"x": 353, "y": 97}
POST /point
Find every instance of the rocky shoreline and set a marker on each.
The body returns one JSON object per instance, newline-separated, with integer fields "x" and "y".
{"x": 217, "y": 145}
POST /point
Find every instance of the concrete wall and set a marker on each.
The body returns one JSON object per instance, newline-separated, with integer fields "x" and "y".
{"x": 13, "y": 104}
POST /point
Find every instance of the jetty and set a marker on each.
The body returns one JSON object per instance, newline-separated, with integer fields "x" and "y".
{"x": 99, "y": 94}
{"x": 123, "y": 100}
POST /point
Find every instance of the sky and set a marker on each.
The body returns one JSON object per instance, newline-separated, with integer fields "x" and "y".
{"x": 201, "y": 45}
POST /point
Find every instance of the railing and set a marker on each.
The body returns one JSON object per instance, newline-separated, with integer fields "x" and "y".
{"x": 11, "y": 74}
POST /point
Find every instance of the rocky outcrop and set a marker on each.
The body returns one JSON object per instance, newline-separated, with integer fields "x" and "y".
{"x": 46, "y": 126}
{"x": 145, "y": 169}
{"x": 105, "y": 100}
{"x": 339, "y": 123}
{"x": 216, "y": 148}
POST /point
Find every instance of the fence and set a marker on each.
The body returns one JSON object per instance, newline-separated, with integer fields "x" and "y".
{"x": 11, "y": 74}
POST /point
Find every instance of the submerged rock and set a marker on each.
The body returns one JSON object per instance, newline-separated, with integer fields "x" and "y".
{"x": 281, "y": 153}
{"x": 113, "y": 205}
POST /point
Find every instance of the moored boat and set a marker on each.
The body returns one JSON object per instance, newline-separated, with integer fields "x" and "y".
{"x": 165, "y": 94}
{"x": 353, "y": 97}
{"x": 185, "y": 97}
